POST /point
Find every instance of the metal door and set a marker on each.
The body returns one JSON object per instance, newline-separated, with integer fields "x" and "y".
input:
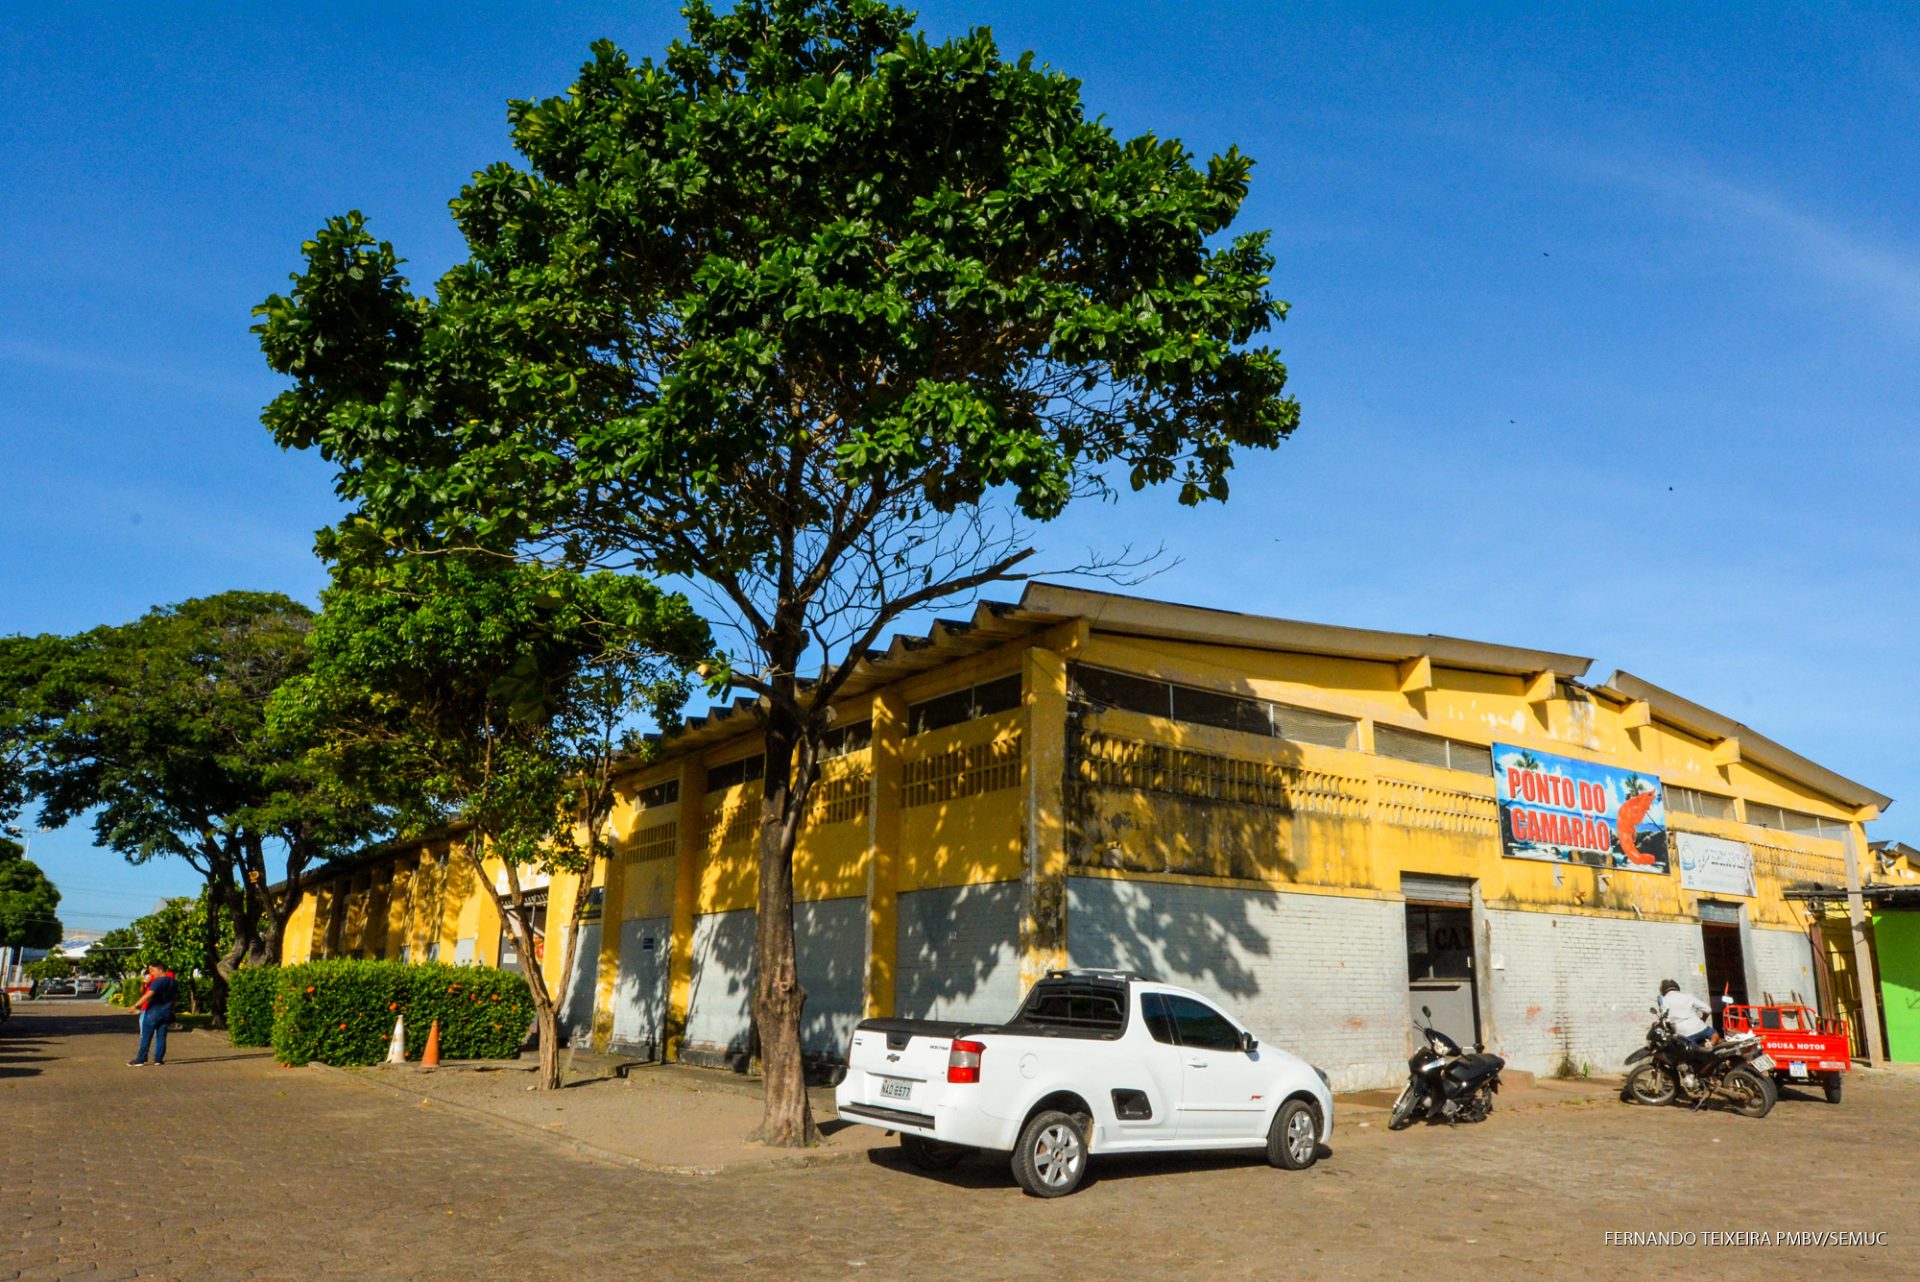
{"x": 640, "y": 991}
{"x": 1440, "y": 969}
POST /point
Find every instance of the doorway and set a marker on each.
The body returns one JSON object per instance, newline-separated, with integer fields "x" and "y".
{"x": 535, "y": 902}
{"x": 1726, "y": 961}
{"x": 1440, "y": 968}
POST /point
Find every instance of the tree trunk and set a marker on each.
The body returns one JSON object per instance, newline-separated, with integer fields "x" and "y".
{"x": 213, "y": 966}
{"x": 778, "y": 998}
{"x": 511, "y": 907}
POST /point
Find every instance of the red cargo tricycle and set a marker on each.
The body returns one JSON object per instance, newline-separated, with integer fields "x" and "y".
{"x": 1805, "y": 1047}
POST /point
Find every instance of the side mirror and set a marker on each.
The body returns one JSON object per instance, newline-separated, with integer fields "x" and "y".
{"x": 1248, "y": 1043}
{"x": 1653, "y": 1010}
{"x": 1427, "y": 1011}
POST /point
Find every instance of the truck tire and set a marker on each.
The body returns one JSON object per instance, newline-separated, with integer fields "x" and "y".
{"x": 1753, "y": 1094}
{"x": 1831, "y": 1082}
{"x": 930, "y": 1155}
{"x": 1293, "y": 1141}
{"x": 1050, "y": 1157}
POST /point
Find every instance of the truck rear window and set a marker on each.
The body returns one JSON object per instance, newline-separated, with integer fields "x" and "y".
{"x": 1065, "y": 1004}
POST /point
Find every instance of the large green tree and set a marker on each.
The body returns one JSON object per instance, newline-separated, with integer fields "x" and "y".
{"x": 814, "y": 312}
{"x": 29, "y": 903}
{"x": 157, "y": 729}
{"x": 498, "y": 702}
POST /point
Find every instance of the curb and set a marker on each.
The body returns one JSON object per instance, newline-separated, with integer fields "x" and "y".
{"x": 785, "y": 1162}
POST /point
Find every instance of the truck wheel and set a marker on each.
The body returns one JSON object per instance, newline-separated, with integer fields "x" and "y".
{"x": 1293, "y": 1142}
{"x": 1650, "y": 1084}
{"x": 930, "y": 1155}
{"x": 1752, "y": 1094}
{"x": 1050, "y": 1158}
{"x": 1831, "y": 1082}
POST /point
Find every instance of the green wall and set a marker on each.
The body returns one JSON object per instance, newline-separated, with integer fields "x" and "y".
{"x": 1897, "y": 939}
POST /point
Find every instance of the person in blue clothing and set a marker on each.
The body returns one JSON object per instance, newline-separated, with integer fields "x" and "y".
{"x": 156, "y": 1012}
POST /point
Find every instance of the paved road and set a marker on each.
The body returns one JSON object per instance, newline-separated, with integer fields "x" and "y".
{"x": 221, "y": 1165}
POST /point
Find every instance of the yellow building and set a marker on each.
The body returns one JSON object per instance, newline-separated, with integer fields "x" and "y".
{"x": 1323, "y": 827}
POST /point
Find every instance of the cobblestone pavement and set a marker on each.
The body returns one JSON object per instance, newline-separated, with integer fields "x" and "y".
{"x": 222, "y": 1165}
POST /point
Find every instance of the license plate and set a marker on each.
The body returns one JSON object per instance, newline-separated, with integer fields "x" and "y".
{"x": 893, "y": 1088}
{"x": 1764, "y": 1063}
{"x": 1796, "y": 1069}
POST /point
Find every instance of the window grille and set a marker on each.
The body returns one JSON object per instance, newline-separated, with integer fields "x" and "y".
{"x": 1795, "y": 821}
{"x": 840, "y": 798}
{"x": 962, "y": 772}
{"x": 725, "y": 827}
{"x": 659, "y": 841}
{"x": 842, "y": 740}
{"x": 1109, "y": 761}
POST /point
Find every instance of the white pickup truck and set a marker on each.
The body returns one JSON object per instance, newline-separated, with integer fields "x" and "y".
{"x": 1094, "y": 1062}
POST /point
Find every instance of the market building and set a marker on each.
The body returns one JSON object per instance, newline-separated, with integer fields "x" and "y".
{"x": 1325, "y": 828}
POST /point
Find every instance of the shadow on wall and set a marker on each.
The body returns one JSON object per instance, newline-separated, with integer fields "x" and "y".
{"x": 958, "y": 953}
{"x": 720, "y": 996}
{"x": 1164, "y": 937}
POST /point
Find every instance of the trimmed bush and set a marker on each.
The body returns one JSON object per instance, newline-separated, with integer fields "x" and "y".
{"x": 250, "y": 1005}
{"x": 341, "y": 1012}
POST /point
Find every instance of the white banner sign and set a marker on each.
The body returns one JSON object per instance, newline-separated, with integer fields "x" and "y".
{"x": 1715, "y": 865}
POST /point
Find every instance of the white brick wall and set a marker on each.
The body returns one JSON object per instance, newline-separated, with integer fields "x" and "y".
{"x": 1783, "y": 963}
{"x": 959, "y": 953}
{"x": 1322, "y": 976}
{"x": 1579, "y": 987}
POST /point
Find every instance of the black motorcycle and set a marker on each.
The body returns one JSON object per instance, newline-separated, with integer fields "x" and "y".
{"x": 1445, "y": 1083}
{"x": 1669, "y": 1067}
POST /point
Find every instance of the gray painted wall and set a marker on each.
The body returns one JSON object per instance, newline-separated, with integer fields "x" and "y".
{"x": 640, "y": 990}
{"x": 959, "y": 953}
{"x": 1782, "y": 961}
{"x": 831, "y": 943}
{"x": 1578, "y": 988}
{"x": 1322, "y": 976}
{"x": 576, "y": 1004}
{"x": 720, "y": 1004}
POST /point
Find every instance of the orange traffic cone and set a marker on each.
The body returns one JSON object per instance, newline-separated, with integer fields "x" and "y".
{"x": 430, "y": 1058}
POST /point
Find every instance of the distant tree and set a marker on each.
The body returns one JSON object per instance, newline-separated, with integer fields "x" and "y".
{"x": 500, "y": 700}
{"x": 52, "y": 966}
{"x": 28, "y": 901}
{"x": 177, "y": 937}
{"x": 157, "y": 728}
{"x": 115, "y": 955}
{"x": 819, "y": 315}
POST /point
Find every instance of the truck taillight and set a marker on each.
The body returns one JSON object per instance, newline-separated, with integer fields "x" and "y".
{"x": 963, "y": 1061}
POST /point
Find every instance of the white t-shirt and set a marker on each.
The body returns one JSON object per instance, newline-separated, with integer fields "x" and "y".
{"x": 1687, "y": 1013}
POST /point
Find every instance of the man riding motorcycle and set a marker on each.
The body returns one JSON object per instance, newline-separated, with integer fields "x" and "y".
{"x": 1691, "y": 1018}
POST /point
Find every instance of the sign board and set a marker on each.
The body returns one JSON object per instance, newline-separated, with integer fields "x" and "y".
{"x": 1714, "y": 864}
{"x": 1566, "y": 811}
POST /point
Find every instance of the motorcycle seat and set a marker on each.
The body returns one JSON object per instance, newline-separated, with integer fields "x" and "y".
{"x": 1468, "y": 1067}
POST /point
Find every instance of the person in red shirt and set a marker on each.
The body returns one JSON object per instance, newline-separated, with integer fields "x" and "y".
{"x": 156, "y": 1012}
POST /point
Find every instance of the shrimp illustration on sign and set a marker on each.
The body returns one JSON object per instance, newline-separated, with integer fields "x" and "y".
{"x": 1632, "y": 811}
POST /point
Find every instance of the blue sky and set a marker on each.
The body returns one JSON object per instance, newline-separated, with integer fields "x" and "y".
{"x": 1606, "y": 323}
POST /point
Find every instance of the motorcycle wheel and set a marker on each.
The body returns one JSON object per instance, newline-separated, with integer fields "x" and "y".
{"x": 1831, "y": 1084}
{"x": 1753, "y": 1095}
{"x": 1652, "y": 1085}
{"x": 1403, "y": 1109}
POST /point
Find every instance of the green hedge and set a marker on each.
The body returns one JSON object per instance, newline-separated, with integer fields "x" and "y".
{"x": 342, "y": 1012}
{"x": 250, "y": 1005}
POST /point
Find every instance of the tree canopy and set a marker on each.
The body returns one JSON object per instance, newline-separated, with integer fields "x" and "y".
{"x": 29, "y": 902}
{"x": 812, "y": 312}
{"x": 496, "y": 700}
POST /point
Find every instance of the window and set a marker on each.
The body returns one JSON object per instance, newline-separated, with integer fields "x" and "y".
{"x": 1208, "y": 708}
{"x": 856, "y": 736}
{"x": 660, "y": 794}
{"x": 1106, "y": 689}
{"x": 745, "y": 770}
{"x": 1693, "y": 802}
{"x": 1432, "y": 750}
{"x": 1201, "y": 1026}
{"x": 1197, "y": 706}
{"x": 983, "y": 700}
{"x": 1795, "y": 821}
{"x": 1094, "y": 1007}
{"x": 1153, "y": 1008}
